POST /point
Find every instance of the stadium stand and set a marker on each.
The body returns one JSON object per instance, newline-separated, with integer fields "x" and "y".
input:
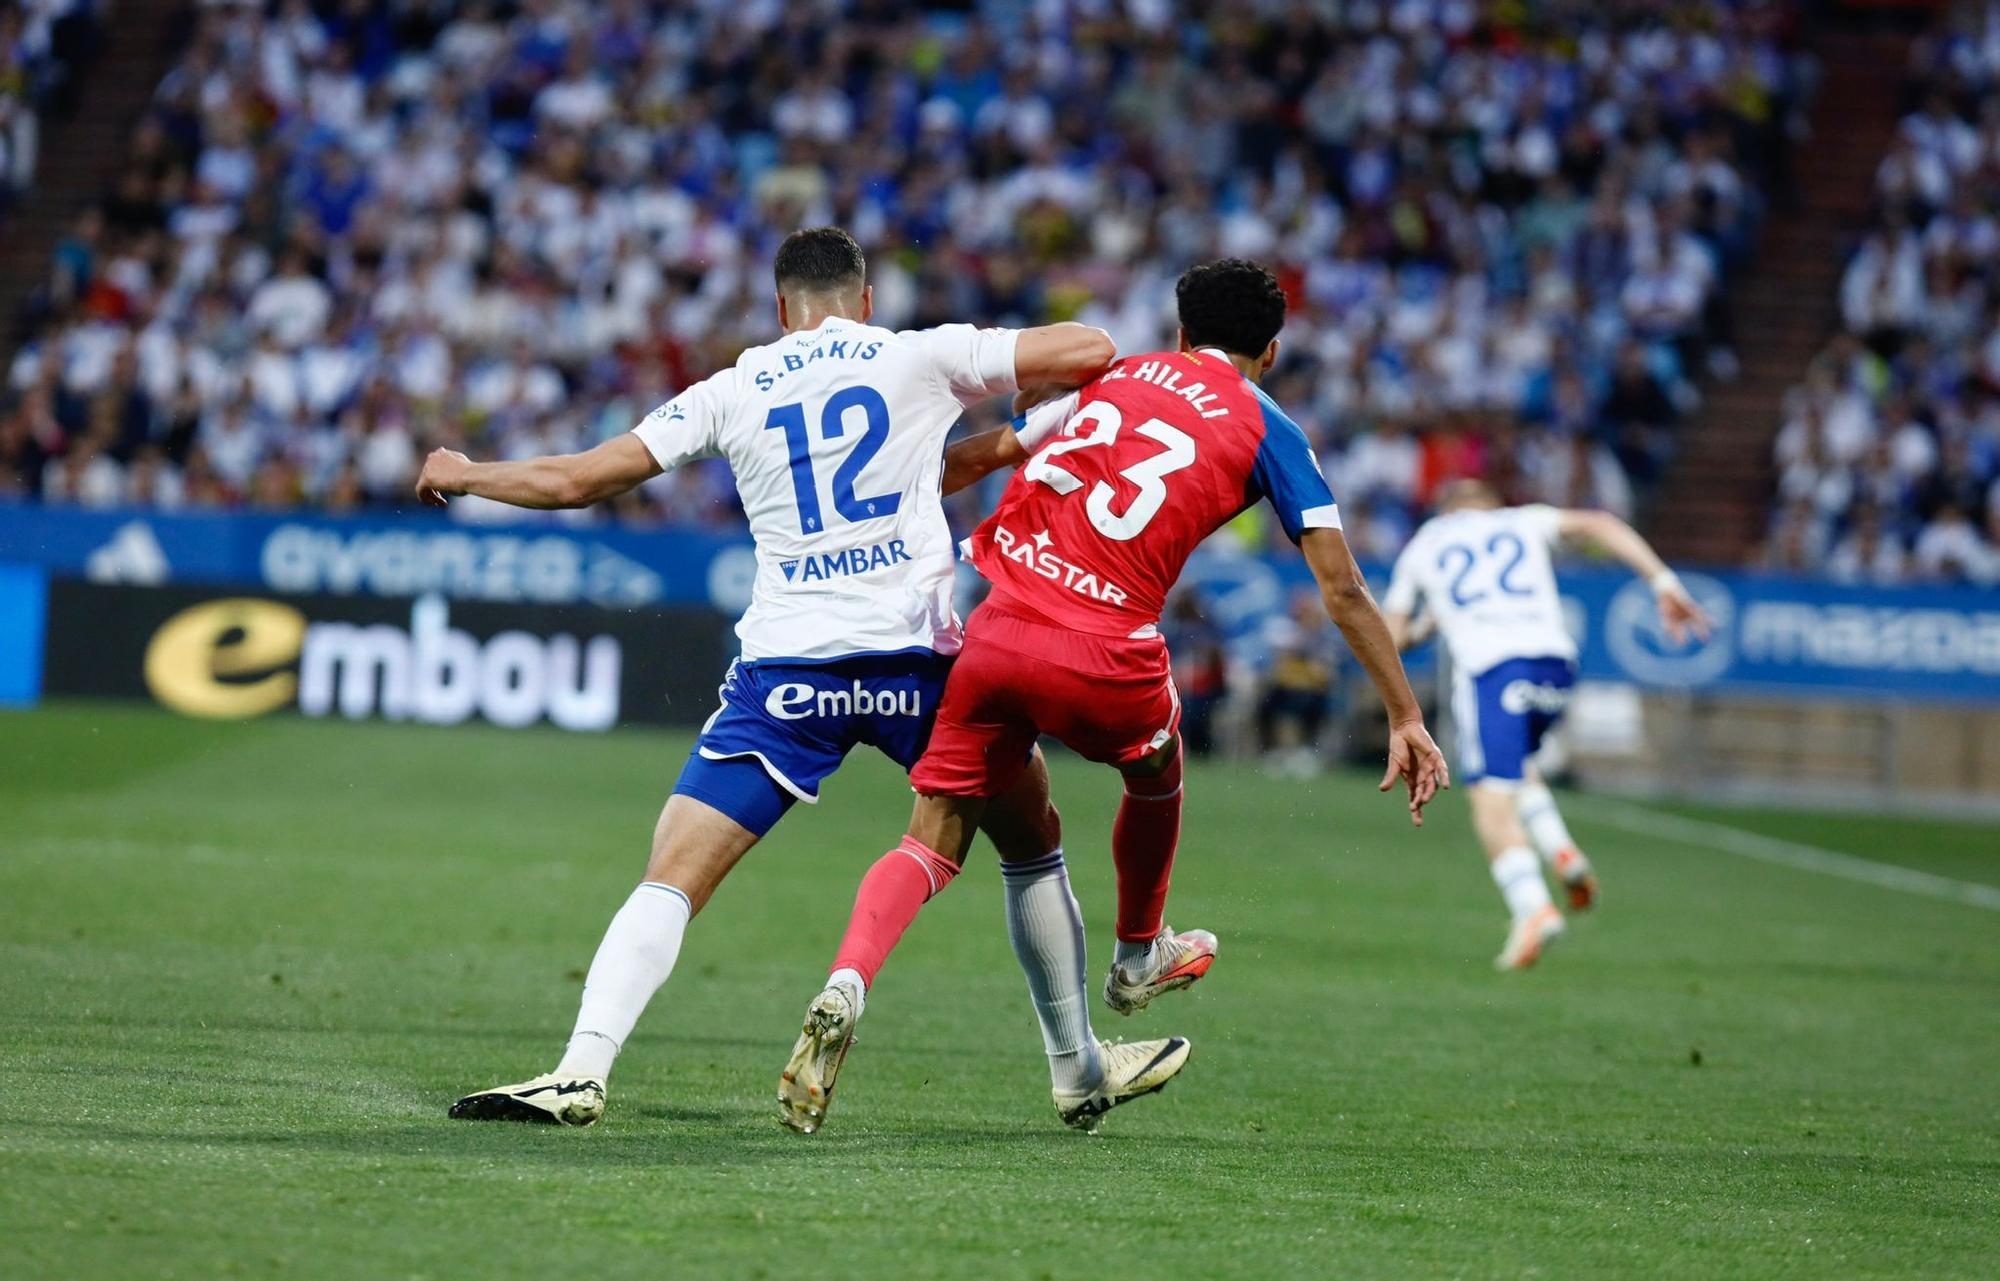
{"x": 1888, "y": 459}
{"x": 345, "y": 234}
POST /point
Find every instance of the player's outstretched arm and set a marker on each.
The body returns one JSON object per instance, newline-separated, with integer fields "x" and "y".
{"x": 556, "y": 481}
{"x": 968, "y": 461}
{"x": 1062, "y": 357}
{"x": 1038, "y": 413}
{"x": 1413, "y": 757}
{"x": 1601, "y": 529}
{"x": 1048, "y": 361}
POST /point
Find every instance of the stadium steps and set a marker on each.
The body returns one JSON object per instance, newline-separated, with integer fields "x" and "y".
{"x": 1717, "y": 498}
{"x": 81, "y": 154}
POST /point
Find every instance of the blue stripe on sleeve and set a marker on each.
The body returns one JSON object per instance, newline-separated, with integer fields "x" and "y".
{"x": 1288, "y": 475}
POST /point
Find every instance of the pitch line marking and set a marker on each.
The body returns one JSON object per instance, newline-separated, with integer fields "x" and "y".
{"x": 1701, "y": 834}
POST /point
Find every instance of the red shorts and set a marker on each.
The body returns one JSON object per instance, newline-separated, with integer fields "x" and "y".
{"x": 1108, "y": 698}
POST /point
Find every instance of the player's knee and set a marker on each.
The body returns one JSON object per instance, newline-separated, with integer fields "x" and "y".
{"x": 1019, "y": 837}
{"x": 945, "y": 824}
{"x": 1157, "y": 774}
{"x": 694, "y": 847}
{"x": 1494, "y": 816}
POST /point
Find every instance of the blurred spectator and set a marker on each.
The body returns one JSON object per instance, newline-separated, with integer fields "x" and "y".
{"x": 1950, "y": 549}
{"x": 1868, "y": 553}
{"x": 1200, "y": 669}
{"x": 44, "y": 46}
{"x": 1296, "y": 699}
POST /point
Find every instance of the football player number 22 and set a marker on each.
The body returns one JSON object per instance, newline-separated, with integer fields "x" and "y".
{"x": 1148, "y": 474}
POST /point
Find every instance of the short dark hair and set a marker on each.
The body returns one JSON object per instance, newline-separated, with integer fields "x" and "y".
{"x": 1231, "y": 303}
{"x": 818, "y": 260}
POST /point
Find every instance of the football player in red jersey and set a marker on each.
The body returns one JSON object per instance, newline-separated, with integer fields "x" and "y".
{"x": 1123, "y": 480}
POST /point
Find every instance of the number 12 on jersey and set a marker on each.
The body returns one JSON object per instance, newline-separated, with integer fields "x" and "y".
{"x": 791, "y": 419}
{"x": 1148, "y": 474}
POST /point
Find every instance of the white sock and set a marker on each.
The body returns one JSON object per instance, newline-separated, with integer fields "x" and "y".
{"x": 1046, "y": 928}
{"x": 1536, "y": 806}
{"x": 851, "y": 978}
{"x": 1133, "y": 958}
{"x": 1519, "y": 875}
{"x": 635, "y": 958}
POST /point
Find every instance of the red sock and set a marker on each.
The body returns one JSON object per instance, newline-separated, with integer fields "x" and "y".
{"x": 1142, "y": 845}
{"x": 900, "y": 883}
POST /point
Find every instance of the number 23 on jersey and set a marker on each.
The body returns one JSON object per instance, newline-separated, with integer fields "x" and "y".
{"x": 1148, "y": 475}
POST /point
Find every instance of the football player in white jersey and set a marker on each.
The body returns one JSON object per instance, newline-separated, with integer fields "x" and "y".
{"x": 836, "y": 436}
{"x": 1482, "y": 574}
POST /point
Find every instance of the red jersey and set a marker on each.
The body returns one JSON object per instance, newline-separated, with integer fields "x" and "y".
{"x": 1129, "y": 475}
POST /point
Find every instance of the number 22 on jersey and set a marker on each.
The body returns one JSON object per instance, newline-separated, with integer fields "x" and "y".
{"x": 1148, "y": 475}
{"x": 1459, "y": 561}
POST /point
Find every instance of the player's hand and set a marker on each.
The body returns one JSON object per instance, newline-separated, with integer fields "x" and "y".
{"x": 1680, "y": 613}
{"x": 1028, "y": 397}
{"x": 1415, "y": 759}
{"x": 1421, "y": 629}
{"x": 443, "y": 476}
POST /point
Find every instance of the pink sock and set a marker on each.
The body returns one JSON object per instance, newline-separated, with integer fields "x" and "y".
{"x": 1143, "y": 839}
{"x": 900, "y": 883}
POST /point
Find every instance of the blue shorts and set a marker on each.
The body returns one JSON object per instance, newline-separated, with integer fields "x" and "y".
{"x": 784, "y": 727}
{"x": 1502, "y": 714}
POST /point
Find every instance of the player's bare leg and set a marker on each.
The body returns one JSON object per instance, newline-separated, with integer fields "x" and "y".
{"x": 1518, "y": 873}
{"x": 694, "y": 847}
{"x": 1536, "y": 806}
{"x": 1151, "y": 958}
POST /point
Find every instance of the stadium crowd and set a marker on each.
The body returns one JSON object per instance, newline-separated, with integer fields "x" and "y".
{"x": 1889, "y": 456}
{"x": 349, "y": 232}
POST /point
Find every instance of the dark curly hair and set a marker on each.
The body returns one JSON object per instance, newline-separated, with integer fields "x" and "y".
{"x": 1231, "y": 303}
{"x": 819, "y": 260}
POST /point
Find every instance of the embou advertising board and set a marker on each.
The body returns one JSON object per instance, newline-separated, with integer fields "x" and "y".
{"x": 212, "y": 654}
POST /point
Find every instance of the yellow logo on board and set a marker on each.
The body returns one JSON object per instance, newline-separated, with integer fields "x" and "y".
{"x": 227, "y": 659}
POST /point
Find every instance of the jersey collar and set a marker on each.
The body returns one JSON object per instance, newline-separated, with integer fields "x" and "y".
{"x": 1222, "y": 356}
{"x": 829, "y": 322}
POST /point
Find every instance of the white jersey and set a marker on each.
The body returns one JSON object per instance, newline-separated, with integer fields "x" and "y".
{"x": 836, "y": 436}
{"x": 1490, "y": 584}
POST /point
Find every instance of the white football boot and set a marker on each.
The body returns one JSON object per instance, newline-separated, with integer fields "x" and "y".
{"x": 1132, "y": 1070}
{"x": 1528, "y": 936}
{"x": 806, "y": 1087}
{"x": 1178, "y": 960}
{"x": 553, "y": 1099}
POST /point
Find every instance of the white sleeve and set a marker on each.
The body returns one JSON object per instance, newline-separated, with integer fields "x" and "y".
{"x": 687, "y": 427}
{"x": 1543, "y": 521}
{"x": 975, "y": 363}
{"x": 1044, "y": 420}
{"x": 1401, "y": 598}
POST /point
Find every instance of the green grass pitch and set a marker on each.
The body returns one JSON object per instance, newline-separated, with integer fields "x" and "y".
{"x": 247, "y": 967}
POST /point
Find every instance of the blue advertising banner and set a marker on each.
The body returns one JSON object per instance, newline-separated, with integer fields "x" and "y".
{"x": 1772, "y": 634}
{"x": 24, "y": 608}
{"x": 547, "y": 563}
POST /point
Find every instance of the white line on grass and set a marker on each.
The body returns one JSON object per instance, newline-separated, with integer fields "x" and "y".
{"x": 1642, "y": 821}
